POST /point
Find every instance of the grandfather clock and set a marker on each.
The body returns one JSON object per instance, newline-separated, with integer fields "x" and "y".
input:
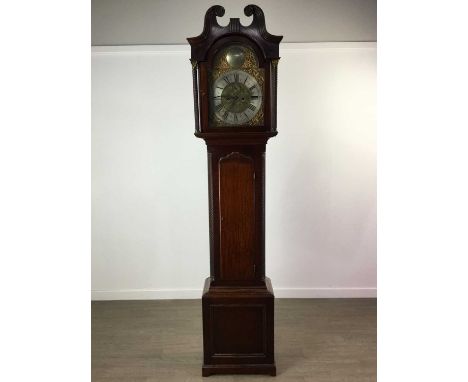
{"x": 234, "y": 83}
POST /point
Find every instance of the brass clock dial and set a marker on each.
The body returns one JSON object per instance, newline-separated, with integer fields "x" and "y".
{"x": 236, "y": 94}
{"x": 237, "y": 97}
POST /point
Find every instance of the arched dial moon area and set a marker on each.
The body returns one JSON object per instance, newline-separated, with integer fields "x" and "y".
{"x": 237, "y": 97}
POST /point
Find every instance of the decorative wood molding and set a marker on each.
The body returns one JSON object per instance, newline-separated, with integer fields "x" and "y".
{"x": 235, "y": 155}
{"x": 211, "y": 217}
{"x": 268, "y": 43}
{"x": 195, "y": 94}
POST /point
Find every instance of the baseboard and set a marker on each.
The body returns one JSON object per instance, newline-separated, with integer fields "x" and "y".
{"x": 325, "y": 292}
{"x": 146, "y": 294}
{"x": 177, "y": 294}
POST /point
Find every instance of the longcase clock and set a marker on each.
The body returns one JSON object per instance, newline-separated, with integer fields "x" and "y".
{"x": 234, "y": 82}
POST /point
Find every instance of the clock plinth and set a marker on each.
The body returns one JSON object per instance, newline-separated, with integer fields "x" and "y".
{"x": 238, "y": 329}
{"x": 234, "y": 75}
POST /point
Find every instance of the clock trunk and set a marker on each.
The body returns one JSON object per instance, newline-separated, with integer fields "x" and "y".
{"x": 236, "y": 193}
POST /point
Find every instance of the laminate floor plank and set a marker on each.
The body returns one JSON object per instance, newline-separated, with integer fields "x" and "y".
{"x": 316, "y": 340}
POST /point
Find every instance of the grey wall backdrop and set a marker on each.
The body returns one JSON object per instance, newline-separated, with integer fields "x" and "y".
{"x": 141, "y": 22}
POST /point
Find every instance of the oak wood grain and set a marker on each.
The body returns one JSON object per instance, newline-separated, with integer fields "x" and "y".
{"x": 237, "y": 217}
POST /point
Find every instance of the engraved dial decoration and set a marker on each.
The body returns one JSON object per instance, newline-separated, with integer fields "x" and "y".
{"x": 237, "y": 97}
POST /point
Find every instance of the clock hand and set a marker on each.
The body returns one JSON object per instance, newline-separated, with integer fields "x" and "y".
{"x": 229, "y": 104}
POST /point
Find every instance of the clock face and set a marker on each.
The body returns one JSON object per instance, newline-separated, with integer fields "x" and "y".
{"x": 237, "y": 97}
{"x": 236, "y": 88}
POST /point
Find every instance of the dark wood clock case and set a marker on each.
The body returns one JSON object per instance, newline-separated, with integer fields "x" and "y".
{"x": 238, "y": 300}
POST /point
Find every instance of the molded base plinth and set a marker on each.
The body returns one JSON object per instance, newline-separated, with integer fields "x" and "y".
{"x": 238, "y": 329}
{"x": 208, "y": 370}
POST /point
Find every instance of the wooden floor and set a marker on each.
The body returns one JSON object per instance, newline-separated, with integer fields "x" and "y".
{"x": 316, "y": 340}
